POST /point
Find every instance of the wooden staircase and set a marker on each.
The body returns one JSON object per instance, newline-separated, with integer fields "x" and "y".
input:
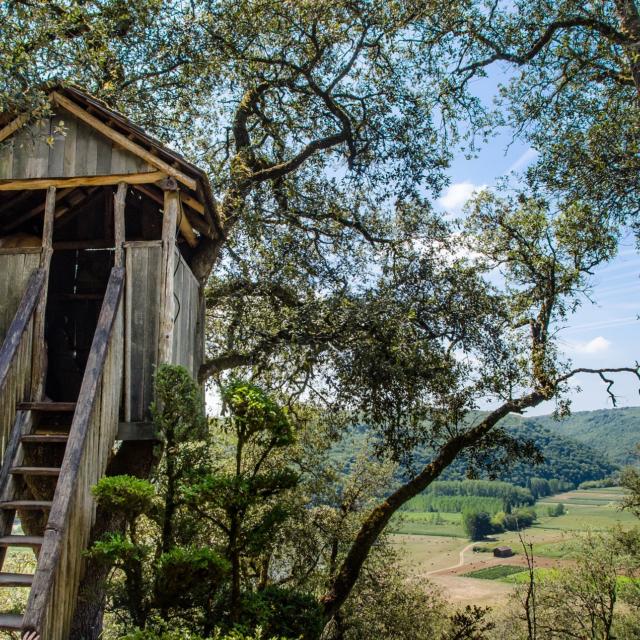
{"x": 29, "y": 486}
{"x": 53, "y": 454}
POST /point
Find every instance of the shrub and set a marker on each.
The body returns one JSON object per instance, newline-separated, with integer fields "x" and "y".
{"x": 477, "y": 524}
{"x": 556, "y": 510}
{"x": 126, "y": 495}
{"x": 282, "y": 612}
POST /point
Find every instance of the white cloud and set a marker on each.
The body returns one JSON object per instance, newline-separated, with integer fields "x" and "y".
{"x": 597, "y": 345}
{"x": 526, "y": 158}
{"x": 457, "y": 194}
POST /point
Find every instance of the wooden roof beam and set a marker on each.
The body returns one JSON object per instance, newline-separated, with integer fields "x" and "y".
{"x": 122, "y": 140}
{"x": 195, "y": 220}
{"x": 13, "y": 126}
{"x": 82, "y": 181}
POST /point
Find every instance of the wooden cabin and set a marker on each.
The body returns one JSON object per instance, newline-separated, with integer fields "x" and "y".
{"x": 502, "y": 552}
{"x": 99, "y": 223}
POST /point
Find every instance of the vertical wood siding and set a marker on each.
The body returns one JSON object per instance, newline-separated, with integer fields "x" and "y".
{"x": 142, "y": 320}
{"x": 16, "y": 266}
{"x": 142, "y": 317}
{"x": 186, "y": 319}
{"x": 16, "y": 356}
{"x": 64, "y": 147}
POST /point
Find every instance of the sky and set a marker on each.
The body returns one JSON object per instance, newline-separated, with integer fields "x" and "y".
{"x": 602, "y": 333}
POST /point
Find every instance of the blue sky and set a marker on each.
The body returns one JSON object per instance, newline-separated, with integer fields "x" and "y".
{"x": 602, "y": 333}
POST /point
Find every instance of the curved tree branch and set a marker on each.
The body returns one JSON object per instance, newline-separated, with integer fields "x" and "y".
{"x": 611, "y": 34}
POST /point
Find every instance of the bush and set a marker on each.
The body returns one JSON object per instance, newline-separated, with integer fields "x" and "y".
{"x": 612, "y": 481}
{"x": 282, "y": 612}
{"x": 556, "y": 510}
{"x": 477, "y": 524}
{"x": 124, "y": 494}
{"x": 188, "y": 576}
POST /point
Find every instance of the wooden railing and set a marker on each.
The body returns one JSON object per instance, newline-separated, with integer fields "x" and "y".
{"x": 93, "y": 430}
{"x": 16, "y": 356}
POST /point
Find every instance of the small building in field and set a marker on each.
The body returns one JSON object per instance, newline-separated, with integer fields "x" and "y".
{"x": 502, "y": 552}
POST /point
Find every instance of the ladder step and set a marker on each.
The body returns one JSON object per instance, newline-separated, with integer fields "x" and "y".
{"x": 35, "y": 471}
{"x": 55, "y": 407}
{"x": 27, "y": 505}
{"x": 16, "y": 579}
{"x": 21, "y": 541}
{"x": 10, "y": 622}
{"x": 52, "y": 438}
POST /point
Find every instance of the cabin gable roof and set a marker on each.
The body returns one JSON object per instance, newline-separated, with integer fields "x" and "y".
{"x": 84, "y": 137}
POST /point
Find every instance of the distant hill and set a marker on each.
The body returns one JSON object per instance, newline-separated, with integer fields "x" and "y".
{"x": 565, "y": 459}
{"x": 568, "y": 458}
{"x": 614, "y": 433}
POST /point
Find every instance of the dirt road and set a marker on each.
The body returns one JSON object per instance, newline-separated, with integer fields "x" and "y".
{"x": 454, "y": 566}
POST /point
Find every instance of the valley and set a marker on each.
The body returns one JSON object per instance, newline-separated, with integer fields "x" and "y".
{"x": 434, "y": 547}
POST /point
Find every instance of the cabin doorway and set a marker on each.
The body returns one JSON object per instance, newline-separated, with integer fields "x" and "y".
{"x": 77, "y": 284}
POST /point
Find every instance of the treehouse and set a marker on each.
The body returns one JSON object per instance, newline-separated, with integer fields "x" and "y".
{"x": 99, "y": 226}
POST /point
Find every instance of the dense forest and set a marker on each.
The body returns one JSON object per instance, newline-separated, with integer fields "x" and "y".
{"x": 565, "y": 460}
{"x": 614, "y": 433}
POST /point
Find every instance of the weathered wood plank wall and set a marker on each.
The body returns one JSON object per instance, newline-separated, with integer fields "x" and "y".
{"x": 62, "y": 147}
{"x": 16, "y": 266}
{"x": 142, "y": 318}
{"x": 142, "y": 323}
{"x": 16, "y": 356}
{"x": 95, "y": 422}
{"x": 186, "y": 350}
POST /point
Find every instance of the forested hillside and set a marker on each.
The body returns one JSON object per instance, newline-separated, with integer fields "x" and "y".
{"x": 565, "y": 459}
{"x": 612, "y": 432}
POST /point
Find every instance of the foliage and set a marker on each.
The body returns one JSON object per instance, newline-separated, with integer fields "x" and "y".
{"x": 185, "y": 634}
{"x": 178, "y": 561}
{"x": 508, "y": 493}
{"x": 514, "y": 521}
{"x": 470, "y": 623}
{"x": 283, "y": 613}
{"x": 612, "y": 432}
{"x": 385, "y": 604}
{"x": 556, "y": 510}
{"x": 477, "y": 524}
{"x": 630, "y": 480}
{"x": 125, "y": 494}
{"x": 582, "y": 600}
{"x": 325, "y": 127}
{"x": 565, "y": 464}
{"x": 454, "y": 504}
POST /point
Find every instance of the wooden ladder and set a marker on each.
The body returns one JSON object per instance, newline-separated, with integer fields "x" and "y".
{"x": 28, "y": 480}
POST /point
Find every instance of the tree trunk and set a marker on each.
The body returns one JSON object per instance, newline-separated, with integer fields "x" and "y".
{"x": 136, "y": 459}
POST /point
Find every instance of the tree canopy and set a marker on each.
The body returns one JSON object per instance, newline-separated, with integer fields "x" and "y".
{"x": 326, "y": 129}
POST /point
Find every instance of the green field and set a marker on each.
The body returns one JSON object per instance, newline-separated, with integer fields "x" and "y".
{"x": 494, "y": 573}
{"x": 591, "y": 509}
{"x": 429, "y": 524}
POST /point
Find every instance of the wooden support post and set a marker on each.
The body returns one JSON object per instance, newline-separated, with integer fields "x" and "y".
{"x": 118, "y": 217}
{"x": 39, "y": 370}
{"x": 171, "y": 206}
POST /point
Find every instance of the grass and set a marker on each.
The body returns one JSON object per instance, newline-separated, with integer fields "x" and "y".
{"x": 429, "y": 524}
{"x": 494, "y": 573}
{"x": 557, "y": 549}
{"x": 521, "y": 577}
